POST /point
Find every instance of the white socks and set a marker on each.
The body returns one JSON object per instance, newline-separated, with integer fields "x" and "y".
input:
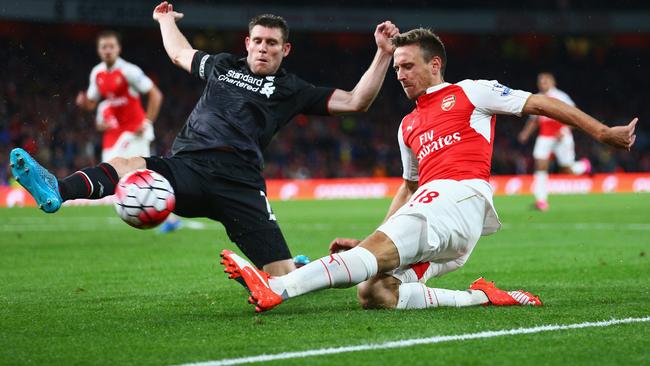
{"x": 540, "y": 185}
{"x": 579, "y": 167}
{"x": 343, "y": 269}
{"x": 418, "y": 296}
{"x": 356, "y": 265}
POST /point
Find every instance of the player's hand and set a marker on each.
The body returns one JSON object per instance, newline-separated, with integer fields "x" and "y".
{"x": 81, "y": 99}
{"x": 166, "y": 10}
{"x": 522, "y": 138}
{"x": 383, "y": 34}
{"x": 622, "y": 137}
{"x": 143, "y": 128}
{"x": 101, "y": 127}
{"x": 343, "y": 244}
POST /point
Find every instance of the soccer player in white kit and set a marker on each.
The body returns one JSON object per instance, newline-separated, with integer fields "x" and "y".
{"x": 127, "y": 129}
{"x": 554, "y": 137}
{"x": 445, "y": 203}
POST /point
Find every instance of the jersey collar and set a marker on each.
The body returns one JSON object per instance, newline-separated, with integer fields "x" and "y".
{"x": 116, "y": 64}
{"x": 551, "y": 91}
{"x": 435, "y": 88}
{"x": 424, "y": 97}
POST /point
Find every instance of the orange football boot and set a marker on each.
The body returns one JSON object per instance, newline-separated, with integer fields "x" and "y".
{"x": 256, "y": 280}
{"x": 499, "y": 297}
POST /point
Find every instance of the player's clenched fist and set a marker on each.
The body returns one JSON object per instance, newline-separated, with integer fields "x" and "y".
{"x": 383, "y": 34}
{"x": 166, "y": 9}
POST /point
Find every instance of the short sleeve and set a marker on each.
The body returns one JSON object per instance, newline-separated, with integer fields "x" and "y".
{"x": 494, "y": 98}
{"x": 202, "y": 64}
{"x": 313, "y": 99}
{"x": 93, "y": 91}
{"x": 137, "y": 79}
{"x": 409, "y": 160}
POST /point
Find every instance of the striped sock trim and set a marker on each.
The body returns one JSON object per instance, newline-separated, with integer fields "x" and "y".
{"x": 329, "y": 276}
{"x": 108, "y": 173}
{"x": 88, "y": 182}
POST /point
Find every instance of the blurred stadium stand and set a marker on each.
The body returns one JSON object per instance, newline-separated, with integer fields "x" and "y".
{"x": 598, "y": 50}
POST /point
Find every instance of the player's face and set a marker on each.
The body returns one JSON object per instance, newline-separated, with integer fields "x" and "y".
{"x": 108, "y": 49}
{"x": 545, "y": 82}
{"x": 266, "y": 50}
{"x": 413, "y": 72}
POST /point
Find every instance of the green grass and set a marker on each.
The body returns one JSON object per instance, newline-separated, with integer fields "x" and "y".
{"x": 81, "y": 287}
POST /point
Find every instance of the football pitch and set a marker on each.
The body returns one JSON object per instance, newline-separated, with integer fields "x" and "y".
{"x": 81, "y": 287}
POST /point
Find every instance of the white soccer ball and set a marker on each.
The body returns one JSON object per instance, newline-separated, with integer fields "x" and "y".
{"x": 144, "y": 199}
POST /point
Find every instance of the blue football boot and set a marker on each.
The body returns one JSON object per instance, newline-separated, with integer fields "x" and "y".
{"x": 40, "y": 183}
{"x": 300, "y": 260}
{"x": 170, "y": 225}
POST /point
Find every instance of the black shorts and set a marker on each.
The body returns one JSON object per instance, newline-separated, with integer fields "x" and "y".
{"x": 219, "y": 186}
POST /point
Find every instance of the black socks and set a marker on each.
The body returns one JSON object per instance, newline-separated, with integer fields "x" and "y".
{"x": 91, "y": 183}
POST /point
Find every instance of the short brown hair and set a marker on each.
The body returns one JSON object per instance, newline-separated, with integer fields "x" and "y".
{"x": 429, "y": 43}
{"x": 546, "y": 73}
{"x": 271, "y": 21}
{"x": 109, "y": 34}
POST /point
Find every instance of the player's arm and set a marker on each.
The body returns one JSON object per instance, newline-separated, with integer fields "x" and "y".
{"x": 403, "y": 195}
{"x": 409, "y": 173}
{"x": 366, "y": 90}
{"x": 154, "y": 101}
{"x": 178, "y": 48}
{"x": 618, "y": 136}
{"x": 84, "y": 102}
{"x": 139, "y": 81}
{"x": 530, "y": 127}
{"x": 89, "y": 99}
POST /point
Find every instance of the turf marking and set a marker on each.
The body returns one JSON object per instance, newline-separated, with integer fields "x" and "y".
{"x": 415, "y": 342}
{"x": 579, "y": 226}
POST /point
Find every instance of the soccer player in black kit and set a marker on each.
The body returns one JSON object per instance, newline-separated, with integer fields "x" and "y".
{"x": 216, "y": 163}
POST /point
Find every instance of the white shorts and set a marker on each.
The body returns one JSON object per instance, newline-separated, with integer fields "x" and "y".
{"x": 562, "y": 146}
{"x": 129, "y": 144}
{"x": 441, "y": 224}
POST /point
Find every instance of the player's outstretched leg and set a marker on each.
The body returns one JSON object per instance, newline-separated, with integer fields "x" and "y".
{"x": 344, "y": 269}
{"x": 90, "y": 183}
{"x": 257, "y": 281}
{"x": 416, "y": 295}
{"x": 499, "y": 297}
{"x": 40, "y": 183}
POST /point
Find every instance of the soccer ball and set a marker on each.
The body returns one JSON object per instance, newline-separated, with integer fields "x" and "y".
{"x": 144, "y": 199}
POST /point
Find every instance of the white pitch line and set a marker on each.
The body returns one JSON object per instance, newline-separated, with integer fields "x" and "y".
{"x": 579, "y": 226}
{"x": 414, "y": 342}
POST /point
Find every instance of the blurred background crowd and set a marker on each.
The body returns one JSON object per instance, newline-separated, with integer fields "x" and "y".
{"x": 45, "y": 65}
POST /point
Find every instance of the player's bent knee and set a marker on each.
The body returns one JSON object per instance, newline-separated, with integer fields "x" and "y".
{"x": 383, "y": 248}
{"x": 124, "y": 166}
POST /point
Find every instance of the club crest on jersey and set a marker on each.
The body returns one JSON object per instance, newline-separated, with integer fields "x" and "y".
{"x": 268, "y": 88}
{"x": 448, "y": 102}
